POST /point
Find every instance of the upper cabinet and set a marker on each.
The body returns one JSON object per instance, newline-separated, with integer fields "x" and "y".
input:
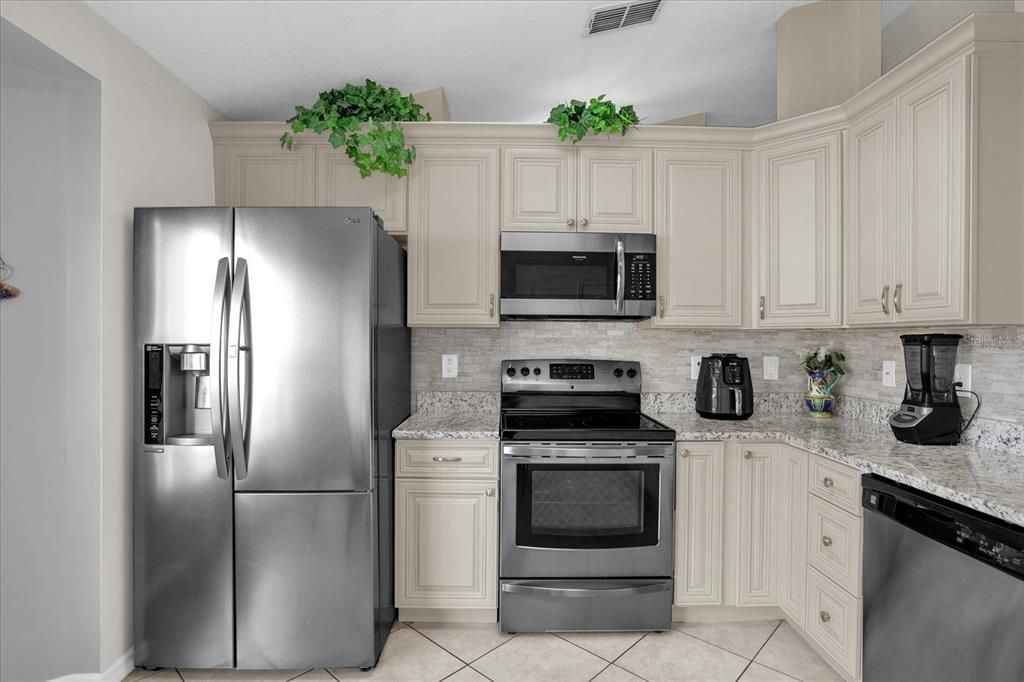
{"x": 697, "y": 213}
{"x": 590, "y": 189}
{"x": 799, "y": 228}
{"x": 453, "y": 237}
{"x": 338, "y": 183}
{"x": 267, "y": 175}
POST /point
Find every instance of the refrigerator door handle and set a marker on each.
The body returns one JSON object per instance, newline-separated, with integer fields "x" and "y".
{"x": 238, "y": 352}
{"x": 218, "y": 331}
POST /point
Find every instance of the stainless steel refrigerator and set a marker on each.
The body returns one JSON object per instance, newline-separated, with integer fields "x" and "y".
{"x": 271, "y": 364}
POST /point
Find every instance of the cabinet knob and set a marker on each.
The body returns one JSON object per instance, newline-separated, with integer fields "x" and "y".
{"x": 826, "y": 540}
{"x": 447, "y": 459}
{"x": 492, "y": 305}
{"x": 825, "y": 617}
{"x": 684, "y": 453}
{"x": 761, "y": 307}
{"x": 661, "y": 306}
{"x": 584, "y": 222}
{"x": 747, "y": 454}
{"x": 571, "y": 222}
{"x": 489, "y": 492}
{"x": 828, "y": 482}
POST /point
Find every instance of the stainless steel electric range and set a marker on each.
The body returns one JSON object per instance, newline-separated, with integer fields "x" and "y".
{"x": 587, "y": 497}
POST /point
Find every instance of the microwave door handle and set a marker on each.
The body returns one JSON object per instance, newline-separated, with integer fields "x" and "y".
{"x": 620, "y": 275}
{"x": 218, "y": 367}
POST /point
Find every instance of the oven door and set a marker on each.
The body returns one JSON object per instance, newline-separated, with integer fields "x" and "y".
{"x": 579, "y": 511}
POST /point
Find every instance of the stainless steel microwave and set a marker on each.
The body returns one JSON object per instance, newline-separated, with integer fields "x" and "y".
{"x": 573, "y": 275}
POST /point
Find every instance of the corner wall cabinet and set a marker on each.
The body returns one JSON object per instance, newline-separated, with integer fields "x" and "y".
{"x": 899, "y": 207}
{"x": 446, "y": 530}
{"x": 565, "y": 189}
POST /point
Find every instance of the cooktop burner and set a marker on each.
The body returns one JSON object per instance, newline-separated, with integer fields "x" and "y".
{"x": 583, "y": 426}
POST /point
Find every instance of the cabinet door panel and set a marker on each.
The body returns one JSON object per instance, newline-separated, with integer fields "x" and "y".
{"x": 699, "y": 499}
{"x": 453, "y": 237}
{"x": 447, "y": 544}
{"x": 932, "y": 221}
{"x": 791, "y": 474}
{"x": 267, "y": 175}
{"x": 799, "y": 233}
{"x": 697, "y": 221}
{"x": 538, "y": 189}
{"x": 338, "y": 183}
{"x": 615, "y": 190}
{"x": 755, "y": 572}
{"x": 871, "y": 219}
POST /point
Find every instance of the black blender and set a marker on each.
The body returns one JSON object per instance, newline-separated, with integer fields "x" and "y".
{"x": 930, "y": 412}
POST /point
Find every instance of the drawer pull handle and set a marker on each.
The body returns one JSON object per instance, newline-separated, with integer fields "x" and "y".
{"x": 447, "y": 459}
{"x": 825, "y": 617}
{"x": 826, "y": 540}
{"x": 747, "y": 454}
{"x": 828, "y": 482}
{"x": 684, "y": 453}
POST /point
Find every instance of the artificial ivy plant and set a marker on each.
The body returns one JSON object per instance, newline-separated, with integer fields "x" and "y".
{"x": 599, "y": 115}
{"x": 364, "y": 119}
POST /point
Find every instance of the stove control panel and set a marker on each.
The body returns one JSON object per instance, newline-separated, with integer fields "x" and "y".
{"x": 591, "y": 376}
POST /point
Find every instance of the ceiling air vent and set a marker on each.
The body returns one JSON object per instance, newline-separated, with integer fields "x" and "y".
{"x": 613, "y": 17}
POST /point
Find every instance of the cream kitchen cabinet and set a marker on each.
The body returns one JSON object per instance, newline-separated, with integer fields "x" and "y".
{"x": 798, "y": 235}
{"x": 791, "y": 525}
{"x": 755, "y": 574}
{"x": 446, "y": 530}
{"x": 700, "y": 480}
{"x": 567, "y": 189}
{"x": 264, "y": 174}
{"x": 697, "y": 220}
{"x": 453, "y": 236}
{"x": 338, "y": 183}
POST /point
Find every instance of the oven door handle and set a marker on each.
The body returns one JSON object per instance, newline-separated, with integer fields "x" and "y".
{"x": 593, "y": 452}
{"x": 587, "y": 589}
{"x": 620, "y": 275}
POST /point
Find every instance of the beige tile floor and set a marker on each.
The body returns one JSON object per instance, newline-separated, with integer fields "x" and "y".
{"x": 749, "y": 651}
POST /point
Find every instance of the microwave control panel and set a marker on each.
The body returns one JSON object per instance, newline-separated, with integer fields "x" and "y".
{"x": 154, "y": 409}
{"x": 640, "y": 276}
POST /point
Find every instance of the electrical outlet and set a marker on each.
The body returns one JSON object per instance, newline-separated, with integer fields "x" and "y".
{"x": 962, "y": 374}
{"x": 771, "y": 367}
{"x": 694, "y": 366}
{"x": 888, "y": 372}
{"x": 449, "y": 366}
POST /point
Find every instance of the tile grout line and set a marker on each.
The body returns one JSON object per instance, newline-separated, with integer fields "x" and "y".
{"x": 592, "y": 653}
{"x": 308, "y": 670}
{"x": 730, "y": 651}
{"x": 763, "y": 645}
{"x": 457, "y": 658}
{"x": 468, "y": 663}
{"x": 627, "y": 651}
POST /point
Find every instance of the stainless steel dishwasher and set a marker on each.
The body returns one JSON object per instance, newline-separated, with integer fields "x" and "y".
{"x": 943, "y": 589}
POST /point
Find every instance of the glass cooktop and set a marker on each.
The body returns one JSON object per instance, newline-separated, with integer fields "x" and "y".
{"x": 583, "y": 426}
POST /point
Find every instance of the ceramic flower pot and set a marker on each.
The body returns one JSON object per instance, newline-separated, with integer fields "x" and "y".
{"x": 819, "y": 397}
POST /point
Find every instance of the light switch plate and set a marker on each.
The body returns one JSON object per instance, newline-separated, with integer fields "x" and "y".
{"x": 449, "y": 366}
{"x": 888, "y": 372}
{"x": 694, "y": 366}
{"x": 771, "y": 367}
{"x": 962, "y": 374}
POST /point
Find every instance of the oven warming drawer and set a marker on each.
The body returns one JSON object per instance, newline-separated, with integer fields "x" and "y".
{"x": 567, "y": 605}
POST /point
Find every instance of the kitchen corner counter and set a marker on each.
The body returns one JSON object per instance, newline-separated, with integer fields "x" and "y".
{"x": 449, "y": 424}
{"x": 990, "y": 481}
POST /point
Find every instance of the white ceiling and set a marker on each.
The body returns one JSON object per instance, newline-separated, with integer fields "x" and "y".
{"x": 498, "y": 61}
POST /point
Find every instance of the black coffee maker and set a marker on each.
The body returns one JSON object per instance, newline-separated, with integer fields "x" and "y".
{"x": 930, "y": 413}
{"x": 724, "y": 389}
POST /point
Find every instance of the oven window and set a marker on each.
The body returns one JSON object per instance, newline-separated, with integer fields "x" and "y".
{"x": 596, "y": 506}
{"x": 558, "y": 275}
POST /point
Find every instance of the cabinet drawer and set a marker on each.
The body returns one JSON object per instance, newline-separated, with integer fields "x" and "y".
{"x": 447, "y": 459}
{"x": 833, "y": 544}
{"x": 837, "y": 483}
{"x": 833, "y": 621}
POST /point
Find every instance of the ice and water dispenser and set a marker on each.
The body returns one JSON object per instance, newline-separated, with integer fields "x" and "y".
{"x": 178, "y": 395}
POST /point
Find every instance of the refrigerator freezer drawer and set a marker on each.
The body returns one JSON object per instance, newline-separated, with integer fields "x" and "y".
{"x": 304, "y": 580}
{"x": 183, "y": 601}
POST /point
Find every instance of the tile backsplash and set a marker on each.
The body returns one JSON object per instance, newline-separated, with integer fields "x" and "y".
{"x": 996, "y": 356}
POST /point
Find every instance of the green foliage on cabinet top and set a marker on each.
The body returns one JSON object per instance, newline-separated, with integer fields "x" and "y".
{"x": 576, "y": 118}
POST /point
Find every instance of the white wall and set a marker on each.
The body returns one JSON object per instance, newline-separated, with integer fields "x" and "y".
{"x": 155, "y": 151}
{"x": 923, "y": 21}
{"x": 49, "y": 414}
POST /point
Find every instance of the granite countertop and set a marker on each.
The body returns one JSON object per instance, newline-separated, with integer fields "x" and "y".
{"x": 990, "y": 481}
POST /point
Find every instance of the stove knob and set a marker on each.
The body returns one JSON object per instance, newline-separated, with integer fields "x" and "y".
{"x": 511, "y": 371}
{"x": 525, "y": 371}
{"x": 536, "y": 371}
{"x": 617, "y": 372}
{"x": 631, "y": 373}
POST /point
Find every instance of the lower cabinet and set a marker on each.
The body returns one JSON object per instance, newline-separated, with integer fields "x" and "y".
{"x": 699, "y": 499}
{"x": 446, "y": 529}
{"x": 791, "y": 513}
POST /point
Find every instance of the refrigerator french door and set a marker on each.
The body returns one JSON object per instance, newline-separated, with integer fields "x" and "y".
{"x": 264, "y": 541}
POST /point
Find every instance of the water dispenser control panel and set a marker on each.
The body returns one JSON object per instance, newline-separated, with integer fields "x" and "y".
{"x": 154, "y": 409}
